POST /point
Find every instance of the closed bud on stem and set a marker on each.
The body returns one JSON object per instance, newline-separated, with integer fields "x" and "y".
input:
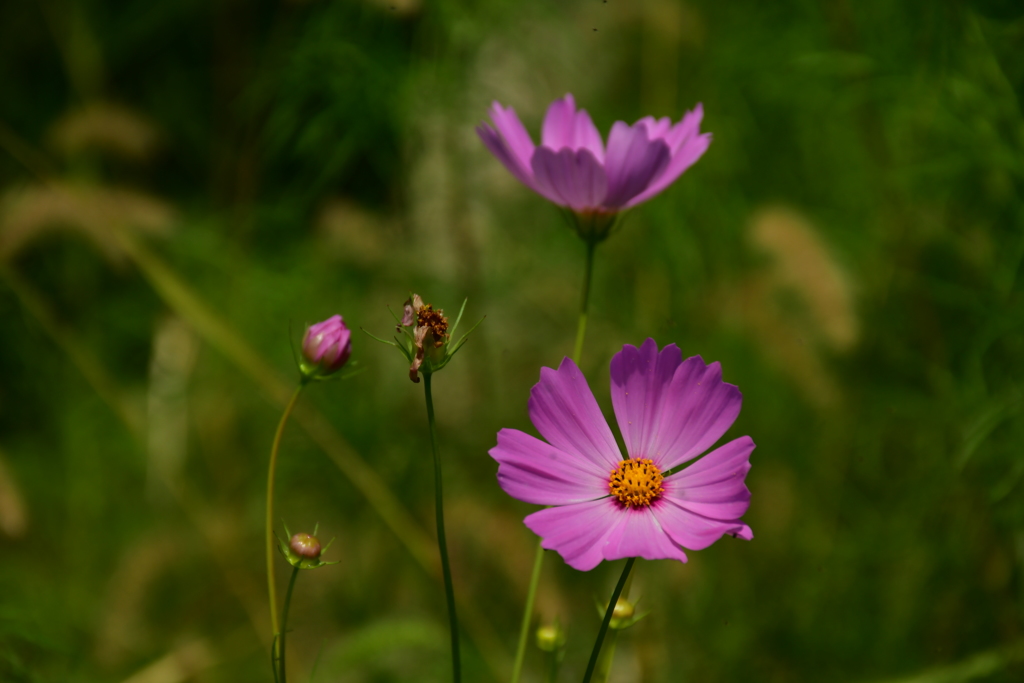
{"x": 326, "y": 348}
{"x": 624, "y": 609}
{"x": 303, "y": 550}
{"x": 305, "y": 545}
{"x": 550, "y": 637}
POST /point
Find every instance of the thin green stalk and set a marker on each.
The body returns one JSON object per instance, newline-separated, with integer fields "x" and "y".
{"x": 524, "y": 628}
{"x": 271, "y": 589}
{"x": 442, "y": 543}
{"x": 284, "y": 623}
{"x": 581, "y": 328}
{"x": 553, "y": 666}
{"x": 607, "y": 620}
{"x": 538, "y": 560}
{"x": 604, "y": 664}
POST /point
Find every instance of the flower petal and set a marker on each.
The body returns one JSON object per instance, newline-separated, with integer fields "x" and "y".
{"x": 498, "y": 147}
{"x": 631, "y": 162}
{"x": 686, "y": 147}
{"x": 714, "y": 486}
{"x": 640, "y": 379}
{"x": 641, "y": 535}
{"x": 577, "y": 178}
{"x": 566, "y": 127}
{"x": 587, "y": 135}
{"x": 657, "y": 129}
{"x": 514, "y": 133}
{"x": 696, "y": 408}
{"x": 577, "y": 532}
{"x": 559, "y": 127}
{"x": 687, "y": 129}
{"x": 535, "y": 472}
{"x": 564, "y": 411}
{"x": 694, "y": 531}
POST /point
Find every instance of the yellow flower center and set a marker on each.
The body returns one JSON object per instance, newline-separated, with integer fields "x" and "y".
{"x": 636, "y": 482}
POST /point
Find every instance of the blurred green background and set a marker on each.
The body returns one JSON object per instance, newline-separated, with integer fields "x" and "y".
{"x": 184, "y": 185}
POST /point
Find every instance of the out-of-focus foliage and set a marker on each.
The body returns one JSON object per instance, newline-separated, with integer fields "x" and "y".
{"x": 184, "y": 184}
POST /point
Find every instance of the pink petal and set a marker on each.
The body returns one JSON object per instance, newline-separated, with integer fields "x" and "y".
{"x": 566, "y": 127}
{"x": 714, "y": 486}
{"x": 673, "y": 421}
{"x": 514, "y": 133}
{"x": 687, "y": 147}
{"x": 499, "y": 148}
{"x": 657, "y": 129}
{"x": 641, "y": 536}
{"x": 640, "y": 379}
{"x": 577, "y": 532}
{"x": 534, "y": 472}
{"x": 559, "y": 127}
{"x": 575, "y": 177}
{"x": 692, "y": 530}
{"x": 587, "y": 135}
{"x": 564, "y": 411}
{"x": 632, "y": 161}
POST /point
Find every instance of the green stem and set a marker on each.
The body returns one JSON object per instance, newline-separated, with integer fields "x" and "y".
{"x": 524, "y": 629}
{"x": 538, "y": 560}
{"x": 284, "y": 623}
{"x": 607, "y": 620}
{"x": 581, "y": 328}
{"x": 271, "y": 588}
{"x": 604, "y": 664}
{"x": 442, "y": 543}
{"x": 553, "y": 666}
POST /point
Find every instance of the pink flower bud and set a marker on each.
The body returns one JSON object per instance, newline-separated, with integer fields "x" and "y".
{"x": 326, "y": 347}
{"x": 305, "y": 546}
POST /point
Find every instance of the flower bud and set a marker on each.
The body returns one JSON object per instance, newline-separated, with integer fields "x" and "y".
{"x": 624, "y": 609}
{"x": 325, "y": 348}
{"x": 305, "y": 546}
{"x": 550, "y": 637}
{"x": 303, "y": 550}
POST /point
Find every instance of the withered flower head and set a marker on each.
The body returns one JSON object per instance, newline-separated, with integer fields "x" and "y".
{"x": 430, "y": 334}
{"x": 425, "y": 336}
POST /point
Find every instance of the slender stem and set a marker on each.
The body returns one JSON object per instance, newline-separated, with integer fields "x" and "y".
{"x": 271, "y": 588}
{"x": 524, "y": 629}
{"x": 538, "y": 560}
{"x": 442, "y": 543}
{"x": 284, "y": 623}
{"x": 607, "y": 620}
{"x": 581, "y": 328}
{"x": 604, "y": 662}
{"x": 553, "y": 666}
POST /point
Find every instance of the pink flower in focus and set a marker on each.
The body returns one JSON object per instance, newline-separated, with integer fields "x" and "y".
{"x": 573, "y": 168}
{"x": 605, "y": 507}
{"x": 326, "y": 347}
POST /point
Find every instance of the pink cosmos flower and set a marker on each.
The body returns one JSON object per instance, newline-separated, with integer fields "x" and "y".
{"x": 605, "y": 507}
{"x": 573, "y": 168}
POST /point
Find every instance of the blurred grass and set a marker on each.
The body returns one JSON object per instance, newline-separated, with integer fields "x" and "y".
{"x": 850, "y": 249}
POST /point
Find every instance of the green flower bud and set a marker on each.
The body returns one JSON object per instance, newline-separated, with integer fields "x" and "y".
{"x": 550, "y": 637}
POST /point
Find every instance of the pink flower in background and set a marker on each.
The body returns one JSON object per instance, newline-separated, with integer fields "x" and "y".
{"x": 326, "y": 347}
{"x": 573, "y": 168}
{"x": 605, "y": 507}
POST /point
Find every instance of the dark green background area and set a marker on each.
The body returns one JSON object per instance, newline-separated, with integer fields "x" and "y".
{"x": 185, "y": 185}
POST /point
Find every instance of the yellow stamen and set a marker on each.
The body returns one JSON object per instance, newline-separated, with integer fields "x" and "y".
{"x": 636, "y": 482}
